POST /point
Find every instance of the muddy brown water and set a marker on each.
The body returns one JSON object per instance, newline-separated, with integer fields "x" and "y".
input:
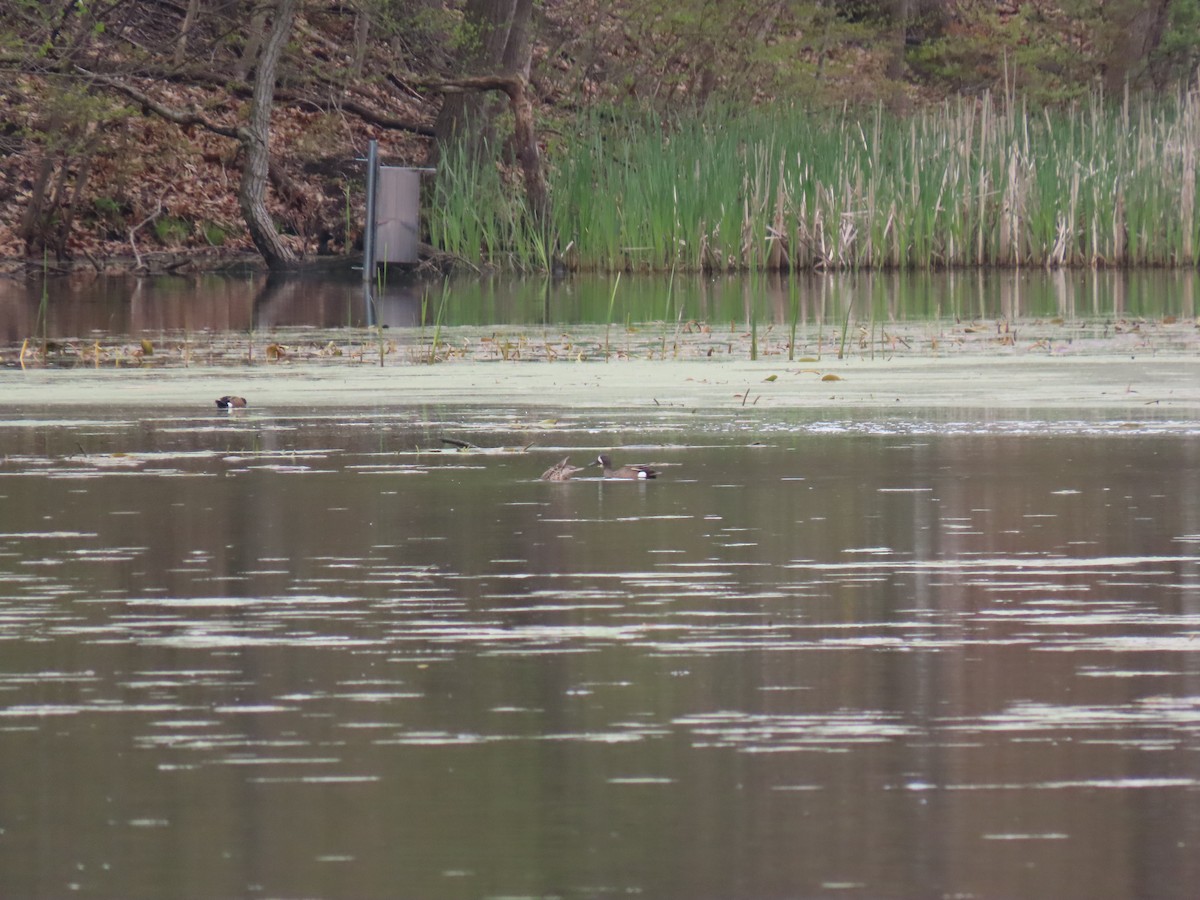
{"x": 929, "y": 629}
{"x": 322, "y": 653}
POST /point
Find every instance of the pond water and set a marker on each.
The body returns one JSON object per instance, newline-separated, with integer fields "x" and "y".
{"x": 924, "y": 626}
{"x": 88, "y": 306}
{"x": 322, "y": 653}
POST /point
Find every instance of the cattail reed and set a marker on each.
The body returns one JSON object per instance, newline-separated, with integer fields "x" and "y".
{"x": 973, "y": 182}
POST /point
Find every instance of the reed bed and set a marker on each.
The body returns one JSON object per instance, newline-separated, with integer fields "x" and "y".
{"x": 973, "y": 182}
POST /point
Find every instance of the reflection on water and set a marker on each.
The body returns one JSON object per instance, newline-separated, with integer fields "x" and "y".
{"x": 316, "y": 656}
{"x": 81, "y": 307}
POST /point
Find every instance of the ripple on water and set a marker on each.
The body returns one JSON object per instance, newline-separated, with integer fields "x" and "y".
{"x": 823, "y": 732}
{"x": 684, "y": 626}
{"x": 1171, "y": 714}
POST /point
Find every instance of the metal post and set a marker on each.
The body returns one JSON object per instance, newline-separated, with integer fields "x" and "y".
{"x": 369, "y": 230}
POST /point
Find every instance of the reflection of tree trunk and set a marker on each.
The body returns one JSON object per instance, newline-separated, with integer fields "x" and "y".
{"x": 256, "y": 142}
{"x": 274, "y": 299}
{"x": 284, "y": 299}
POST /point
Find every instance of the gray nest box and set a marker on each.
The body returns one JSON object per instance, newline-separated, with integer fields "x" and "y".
{"x": 393, "y": 213}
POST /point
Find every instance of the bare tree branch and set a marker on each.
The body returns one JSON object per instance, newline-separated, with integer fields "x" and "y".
{"x": 524, "y": 133}
{"x": 142, "y": 224}
{"x": 171, "y": 114}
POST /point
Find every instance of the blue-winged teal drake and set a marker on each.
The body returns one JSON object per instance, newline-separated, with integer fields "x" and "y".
{"x": 561, "y": 471}
{"x": 231, "y": 402}
{"x": 630, "y": 471}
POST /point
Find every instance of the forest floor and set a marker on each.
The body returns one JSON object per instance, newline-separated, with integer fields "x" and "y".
{"x": 163, "y": 199}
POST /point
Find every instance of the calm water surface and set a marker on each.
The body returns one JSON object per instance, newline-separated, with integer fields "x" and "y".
{"x": 83, "y": 306}
{"x": 289, "y": 655}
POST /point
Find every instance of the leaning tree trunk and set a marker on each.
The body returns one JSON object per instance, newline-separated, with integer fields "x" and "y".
{"x": 256, "y": 144}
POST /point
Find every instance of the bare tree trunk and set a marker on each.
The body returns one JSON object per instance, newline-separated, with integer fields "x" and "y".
{"x": 504, "y": 48}
{"x": 33, "y": 226}
{"x": 1137, "y": 29}
{"x": 83, "y": 172}
{"x": 362, "y": 31}
{"x": 528, "y": 153}
{"x": 189, "y": 22}
{"x": 256, "y": 143}
{"x": 67, "y": 159}
{"x": 524, "y": 132}
{"x": 901, "y": 12}
{"x": 518, "y": 43}
{"x": 258, "y": 24}
{"x": 503, "y": 56}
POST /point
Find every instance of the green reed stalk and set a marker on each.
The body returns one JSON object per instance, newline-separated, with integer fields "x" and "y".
{"x": 670, "y": 302}
{"x": 794, "y": 295}
{"x": 437, "y": 325}
{"x": 612, "y": 299}
{"x": 845, "y": 328}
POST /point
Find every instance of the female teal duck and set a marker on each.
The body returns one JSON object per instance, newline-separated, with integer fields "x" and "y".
{"x": 561, "y": 471}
